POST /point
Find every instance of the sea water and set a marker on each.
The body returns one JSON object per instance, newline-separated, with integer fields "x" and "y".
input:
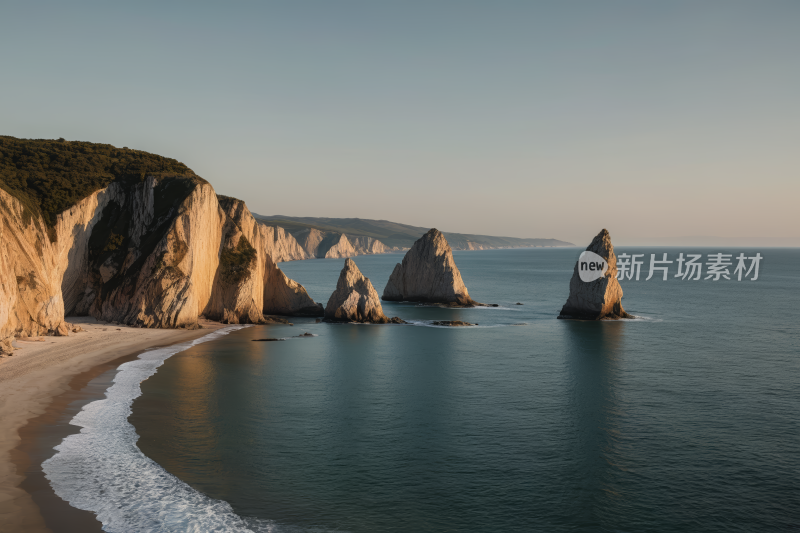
{"x": 685, "y": 419}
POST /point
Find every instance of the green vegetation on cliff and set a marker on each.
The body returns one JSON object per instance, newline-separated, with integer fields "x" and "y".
{"x": 236, "y": 262}
{"x": 50, "y": 176}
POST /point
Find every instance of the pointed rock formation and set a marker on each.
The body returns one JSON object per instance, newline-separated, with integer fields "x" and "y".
{"x": 600, "y": 299}
{"x": 336, "y": 246}
{"x": 355, "y": 299}
{"x": 325, "y": 244}
{"x": 366, "y": 245}
{"x": 428, "y": 274}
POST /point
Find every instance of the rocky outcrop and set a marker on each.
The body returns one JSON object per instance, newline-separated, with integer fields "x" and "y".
{"x": 30, "y": 280}
{"x": 453, "y": 323}
{"x": 281, "y": 245}
{"x": 428, "y": 274}
{"x": 157, "y": 252}
{"x": 325, "y": 244}
{"x": 599, "y": 299}
{"x": 248, "y": 282}
{"x": 355, "y": 299}
{"x": 336, "y": 246}
{"x": 366, "y": 245}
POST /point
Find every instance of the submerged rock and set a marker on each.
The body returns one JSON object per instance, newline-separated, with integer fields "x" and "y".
{"x": 453, "y": 323}
{"x": 428, "y": 274}
{"x": 355, "y": 299}
{"x": 600, "y": 299}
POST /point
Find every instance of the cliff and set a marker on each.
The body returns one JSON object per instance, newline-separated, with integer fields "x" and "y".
{"x": 151, "y": 250}
{"x": 428, "y": 274}
{"x": 355, "y": 299}
{"x": 395, "y": 236}
{"x": 366, "y": 245}
{"x": 601, "y": 298}
{"x": 324, "y": 244}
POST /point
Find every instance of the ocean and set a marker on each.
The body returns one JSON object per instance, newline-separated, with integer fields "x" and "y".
{"x": 684, "y": 419}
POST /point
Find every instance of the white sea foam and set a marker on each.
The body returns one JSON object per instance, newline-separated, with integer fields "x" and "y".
{"x": 102, "y": 470}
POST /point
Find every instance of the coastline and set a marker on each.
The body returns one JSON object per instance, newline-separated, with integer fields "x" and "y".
{"x": 37, "y": 384}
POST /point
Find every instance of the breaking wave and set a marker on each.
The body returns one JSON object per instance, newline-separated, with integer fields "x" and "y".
{"x": 102, "y": 470}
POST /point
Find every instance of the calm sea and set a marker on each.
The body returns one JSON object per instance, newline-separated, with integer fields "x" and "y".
{"x": 686, "y": 419}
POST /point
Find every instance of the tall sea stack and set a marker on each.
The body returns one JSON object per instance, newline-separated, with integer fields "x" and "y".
{"x": 599, "y": 299}
{"x": 428, "y": 274}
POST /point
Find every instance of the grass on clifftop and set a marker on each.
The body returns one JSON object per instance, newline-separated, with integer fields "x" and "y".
{"x": 50, "y": 176}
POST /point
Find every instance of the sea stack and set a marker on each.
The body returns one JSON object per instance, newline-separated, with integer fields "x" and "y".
{"x": 355, "y": 299}
{"x": 428, "y": 274}
{"x": 601, "y": 298}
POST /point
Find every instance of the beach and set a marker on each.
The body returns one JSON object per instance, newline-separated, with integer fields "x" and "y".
{"x": 41, "y": 371}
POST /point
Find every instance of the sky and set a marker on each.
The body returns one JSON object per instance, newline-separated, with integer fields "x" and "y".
{"x": 664, "y": 122}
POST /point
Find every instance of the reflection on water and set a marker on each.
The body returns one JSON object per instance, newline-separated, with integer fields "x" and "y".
{"x": 685, "y": 423}
{"x": 593, "y": 357}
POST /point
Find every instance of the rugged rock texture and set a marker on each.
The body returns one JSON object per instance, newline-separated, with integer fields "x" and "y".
{"x": 600, "y": 299}
{"x": 248, "y": 283}
{"x": 336, "y": 246}
{"x": 428, "y": 274}
{"x": 355, "y": 299}
{"x": 157, "y": 252}
{"x": 366, "y": 245}
{"x": 30, "y": 280}
{"x": 325, "y": 244}
{"x": 282, "y": 246}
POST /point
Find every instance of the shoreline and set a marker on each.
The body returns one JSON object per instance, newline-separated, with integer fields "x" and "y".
{"x": 38, "y": 384}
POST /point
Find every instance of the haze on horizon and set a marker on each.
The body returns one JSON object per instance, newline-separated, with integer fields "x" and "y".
{"x": 663, "y": 122}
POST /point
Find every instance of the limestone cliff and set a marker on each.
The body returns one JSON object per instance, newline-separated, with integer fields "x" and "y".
{"x": 281, "y": 245}
{"x": 324, "y": 244}
{"x": 355, "y": 299}
{"x": 428, "y": 274}
{"x": 600, "y": 299}
{"x": 366, "y": 245}
{"x": 273, "y": 292}
{"x": 152, "y": 252}
{"x": 30, "y": 280}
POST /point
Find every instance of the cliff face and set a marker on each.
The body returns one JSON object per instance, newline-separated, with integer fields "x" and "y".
{"x": 155, "y": 253}
{"x": 355, "y": 299}
{"x": 325, "y": 244}
{"x": 281, "y": 245}
{"x": 599, "y": 299}
{"x": 30, "y": 280}
{"x": 260, "y": 279}
{"x": 429, "y": 274}
{"x": 367, "y": 245}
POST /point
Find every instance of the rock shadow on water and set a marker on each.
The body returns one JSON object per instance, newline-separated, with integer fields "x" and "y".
{"x": 594, "y": 358}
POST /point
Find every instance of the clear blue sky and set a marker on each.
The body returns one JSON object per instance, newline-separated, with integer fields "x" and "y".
{"x": 653, "y": 119}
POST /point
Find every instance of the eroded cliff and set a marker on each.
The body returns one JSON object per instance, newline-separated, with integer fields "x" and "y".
{"x": 151, "y": 251}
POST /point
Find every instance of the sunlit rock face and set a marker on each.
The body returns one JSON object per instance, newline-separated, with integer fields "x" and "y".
{"x": 355, "y": 299}
{"x": 601, "y": 298}
{"x": 428, "y": 274}
{"x": 156, "y": 253}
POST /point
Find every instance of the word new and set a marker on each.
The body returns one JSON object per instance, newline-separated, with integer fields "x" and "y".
{"x": 690, "y": 267}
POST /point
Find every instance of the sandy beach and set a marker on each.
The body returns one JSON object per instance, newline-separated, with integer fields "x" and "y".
{"x": 40, "y": 371}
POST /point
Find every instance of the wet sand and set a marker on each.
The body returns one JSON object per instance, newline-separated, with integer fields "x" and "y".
{"x": 41, "y": 387}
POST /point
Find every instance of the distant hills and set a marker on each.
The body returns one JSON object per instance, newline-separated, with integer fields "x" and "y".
{"x": 399, "y": 236}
